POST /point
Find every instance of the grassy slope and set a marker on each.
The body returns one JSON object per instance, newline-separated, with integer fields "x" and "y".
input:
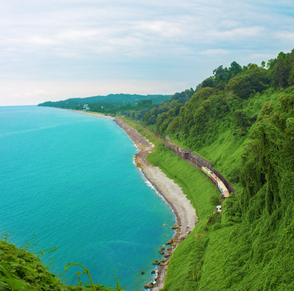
{"x": 242, "y": 255}
{"x": 194, "y": 183}
{"x": 225, "y": 152}
{"x": 199, "y": 189}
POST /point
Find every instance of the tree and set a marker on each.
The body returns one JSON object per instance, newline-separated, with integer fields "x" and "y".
{"x": 208, "y": 83}
{"x": 146, "y": 117}
{"x": 235, "y": 69}
{"x": 254, "y": 79}
{"x": 281, "y": 71}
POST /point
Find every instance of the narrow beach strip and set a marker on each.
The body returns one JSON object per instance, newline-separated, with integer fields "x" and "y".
{"x": 92, "y": 113}
{"x": 173, "y": 194}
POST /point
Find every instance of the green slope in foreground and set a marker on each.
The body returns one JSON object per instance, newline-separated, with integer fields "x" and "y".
{"x": 21, "y": 270}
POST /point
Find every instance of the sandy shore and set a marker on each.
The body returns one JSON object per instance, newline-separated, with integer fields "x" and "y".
{"x": 92, "y": 113}
{"x": 184, "y": 211}
{"x": 173, "y": 194}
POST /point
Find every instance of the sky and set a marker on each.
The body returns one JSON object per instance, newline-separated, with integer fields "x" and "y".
{"x": 60, "y": 49}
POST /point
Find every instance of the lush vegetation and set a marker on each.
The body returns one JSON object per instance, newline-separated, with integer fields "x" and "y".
{"x": 110, "y": 104}
{"x": 242, "y": 120}
{"x": 23, "y": 270}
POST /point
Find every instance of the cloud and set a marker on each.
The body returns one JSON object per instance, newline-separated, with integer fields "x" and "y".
{"x": 159, "y": 28}
{"x": 38, "y": 40}
{"x": 119, "y": 23}
{"x": 239, "y": 33}
{"x": 214, "y": 52}
{"x": 166, "y": 41}
{"x": 285, "y": 35}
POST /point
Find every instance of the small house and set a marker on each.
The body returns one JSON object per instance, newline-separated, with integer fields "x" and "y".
{"x": 218, "y": 208}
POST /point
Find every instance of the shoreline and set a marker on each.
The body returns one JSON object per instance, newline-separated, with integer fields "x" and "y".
{"x": 173, "y": 195}
{"x": 184, "y": 212}
{"x": 91, "y": 113}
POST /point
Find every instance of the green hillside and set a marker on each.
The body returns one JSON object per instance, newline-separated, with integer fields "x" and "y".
{"x": 242, "y": 120}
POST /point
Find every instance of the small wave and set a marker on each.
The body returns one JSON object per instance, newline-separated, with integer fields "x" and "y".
{"x": 149, "y": 184}
{"x": 134, "y": 161}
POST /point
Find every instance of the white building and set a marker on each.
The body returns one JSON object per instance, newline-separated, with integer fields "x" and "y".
{"x": 86, "y": 107}
{"x": 218, "y": 208}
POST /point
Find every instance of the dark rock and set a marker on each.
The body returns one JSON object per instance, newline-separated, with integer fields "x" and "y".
{"x": 169, "y": 242}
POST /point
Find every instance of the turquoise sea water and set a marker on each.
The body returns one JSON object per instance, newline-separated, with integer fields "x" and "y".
{"x": 70, "y": 179}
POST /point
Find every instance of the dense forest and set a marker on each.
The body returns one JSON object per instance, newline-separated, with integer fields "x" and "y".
{"x": 242, "y": 120}
{"x": 110, "y": 104}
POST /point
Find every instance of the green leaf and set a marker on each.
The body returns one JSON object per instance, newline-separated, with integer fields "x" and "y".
{"x": 4, "y": 286}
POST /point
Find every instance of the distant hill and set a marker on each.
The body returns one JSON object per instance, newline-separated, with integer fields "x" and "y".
{"x": 110, "y": 104}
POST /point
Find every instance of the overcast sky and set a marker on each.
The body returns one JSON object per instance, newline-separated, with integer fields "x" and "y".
{"x": 58, "y": 49}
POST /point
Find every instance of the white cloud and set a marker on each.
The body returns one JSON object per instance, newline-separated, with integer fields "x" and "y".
{"x": 160, "y": 28}
{"x": 69, "y": 40}
{"x": 285, "y": 35}
{"x": 38, "y": 40}
{"x": 214, "y": 52}
{"x": 238, "y": 33}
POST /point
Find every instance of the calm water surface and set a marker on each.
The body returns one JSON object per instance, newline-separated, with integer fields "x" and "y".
{"x": 69, "y": 179}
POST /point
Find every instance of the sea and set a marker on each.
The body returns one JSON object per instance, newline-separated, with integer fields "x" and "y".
{"x": 68, "y": 181}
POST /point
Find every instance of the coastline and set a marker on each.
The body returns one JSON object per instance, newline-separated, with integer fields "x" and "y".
{"x": 91, "y": 113}
{"x": 185, "y": 213}
{"x": 183, "y": 210}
